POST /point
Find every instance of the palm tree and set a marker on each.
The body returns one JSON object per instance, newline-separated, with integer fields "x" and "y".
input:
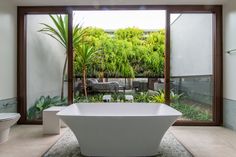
{"x": 85, "y": 55}
{"x": 59, "y": 32}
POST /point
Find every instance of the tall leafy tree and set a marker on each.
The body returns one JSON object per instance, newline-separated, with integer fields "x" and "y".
{"x": 128, "y": 52}
{"x": 59, "y": 32}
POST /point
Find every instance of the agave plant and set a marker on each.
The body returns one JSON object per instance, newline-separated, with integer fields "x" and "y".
{"x": 85, "y": 55}
{"x": 142, "y": 97}
{"x": 59, "y": 32}
{"x": 160, "y": 96}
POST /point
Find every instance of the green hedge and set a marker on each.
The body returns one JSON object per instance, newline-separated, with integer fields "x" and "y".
{"x": 127, "y": 52}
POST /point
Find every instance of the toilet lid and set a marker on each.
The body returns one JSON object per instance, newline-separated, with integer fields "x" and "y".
{"x": 6, "y": 116}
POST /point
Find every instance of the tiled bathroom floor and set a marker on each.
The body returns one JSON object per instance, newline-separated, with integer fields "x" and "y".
{"x": 207, "y": 141}
{"x": 28, "y": 141}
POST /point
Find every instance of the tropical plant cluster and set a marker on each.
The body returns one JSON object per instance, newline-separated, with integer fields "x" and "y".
{"x": 44, "y": 102}
{"x": 148, "y": 97}
{"x": 189, "y": 112}
{"x": 128, "y": 52}
{"x": 59, "y": 32}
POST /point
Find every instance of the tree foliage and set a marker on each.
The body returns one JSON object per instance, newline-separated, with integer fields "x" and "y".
{"x": 128, "y": 52}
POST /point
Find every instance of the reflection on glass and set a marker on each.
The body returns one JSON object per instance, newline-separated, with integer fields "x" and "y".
{"x": 191, "y": 65}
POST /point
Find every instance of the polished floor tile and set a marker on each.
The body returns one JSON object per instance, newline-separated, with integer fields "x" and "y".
{"x": 207, "y": 141}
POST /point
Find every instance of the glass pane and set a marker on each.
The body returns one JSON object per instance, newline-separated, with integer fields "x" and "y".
{"x": 46, "y": 54}
{"x": 191, "y": 65}
{"x": 127, "y": 62}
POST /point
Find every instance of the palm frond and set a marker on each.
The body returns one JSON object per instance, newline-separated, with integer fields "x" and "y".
{"x": 60, "y": 26}
{"x": 50, "y": 30}
{"x": 59, "y": 31}
{"x": 51, "y": 35}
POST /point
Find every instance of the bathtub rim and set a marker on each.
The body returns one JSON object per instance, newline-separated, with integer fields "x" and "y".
{"x": 176, "y": 113}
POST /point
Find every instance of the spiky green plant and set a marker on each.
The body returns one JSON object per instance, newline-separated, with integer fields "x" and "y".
{"x": 85, "y": 54}
{"x": 160, "y": 96}
{"x": 59, "y": 32}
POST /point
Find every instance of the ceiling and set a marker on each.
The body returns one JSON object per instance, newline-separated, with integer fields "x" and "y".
{"x": 113, "y": 2}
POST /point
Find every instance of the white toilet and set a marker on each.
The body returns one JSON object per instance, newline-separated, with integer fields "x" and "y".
{"x": 6, "y": 121}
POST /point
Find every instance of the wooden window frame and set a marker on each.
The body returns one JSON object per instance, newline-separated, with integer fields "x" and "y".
{"x": 22, "y": 12}
{"x": 216, "y": 10}
{"x": 217, "y": 110}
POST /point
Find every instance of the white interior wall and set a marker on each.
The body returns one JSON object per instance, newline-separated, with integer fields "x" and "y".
{"x": 230, "y": 43}
{"x": 229, "y": 75}
{"x": 8, "y": 55}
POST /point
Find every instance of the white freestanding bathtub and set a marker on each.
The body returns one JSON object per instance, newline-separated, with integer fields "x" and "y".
{"x": 119, "y": 129}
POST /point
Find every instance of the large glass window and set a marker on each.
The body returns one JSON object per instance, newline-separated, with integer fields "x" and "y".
{"x": 46, "y": 63}
{"x": 191, "y": 60}
{"x": 119, "y": 58}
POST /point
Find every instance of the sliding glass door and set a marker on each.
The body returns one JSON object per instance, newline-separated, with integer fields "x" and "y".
{"x": 191, "y": 65}
{"x": 194, "y": 64}
{"x": 46, "y": 47}
{"x": 43, "y": 40}
{"x": 157, "y": 54}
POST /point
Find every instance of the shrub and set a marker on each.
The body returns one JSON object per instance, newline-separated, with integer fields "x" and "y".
{"x": 35, "y": 112}
{"x": 127, "y": 53}
{"x": 192, "y": 113}
{"x": 160, "y": 97}
{"x": 142, "y": 97}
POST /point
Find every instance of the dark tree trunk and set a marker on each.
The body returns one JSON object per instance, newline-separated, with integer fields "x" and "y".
{"x": 63, "y": 77}
{"x": 84, "y": 82}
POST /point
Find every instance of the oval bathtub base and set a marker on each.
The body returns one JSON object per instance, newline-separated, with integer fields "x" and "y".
{"x": 127, "y": 129}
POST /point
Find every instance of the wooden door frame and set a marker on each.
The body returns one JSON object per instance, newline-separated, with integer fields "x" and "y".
{"x": 216, "y": 10}
{"x": 22, "y": 12}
